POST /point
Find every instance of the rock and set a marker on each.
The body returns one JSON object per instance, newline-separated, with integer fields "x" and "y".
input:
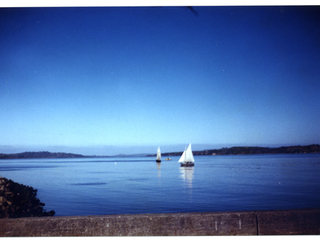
{"x": 18, "y": 200}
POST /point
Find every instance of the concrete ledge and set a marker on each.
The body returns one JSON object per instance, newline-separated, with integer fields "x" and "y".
{"x": 291, "y": 222}
{"x": 306, "y": 221}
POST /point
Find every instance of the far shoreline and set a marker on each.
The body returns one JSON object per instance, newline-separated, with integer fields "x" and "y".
{"x": 314, "y": 148}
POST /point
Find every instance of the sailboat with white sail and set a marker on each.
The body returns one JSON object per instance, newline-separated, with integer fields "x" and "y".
{"x": 187, "y": 159}
{"x": 158, "y": 155}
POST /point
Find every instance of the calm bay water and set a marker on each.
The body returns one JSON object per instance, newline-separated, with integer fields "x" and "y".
{"x": 99, "y": 186}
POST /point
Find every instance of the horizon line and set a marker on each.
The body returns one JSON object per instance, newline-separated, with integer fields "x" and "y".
{"x": 145, "y": 153}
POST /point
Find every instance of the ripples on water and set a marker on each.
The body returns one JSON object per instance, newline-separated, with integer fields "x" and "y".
{"x": 94, "y": 186}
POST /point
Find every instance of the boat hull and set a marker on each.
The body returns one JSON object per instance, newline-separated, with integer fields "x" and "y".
{"x": 158, "y": 160}
{"x": 187, "y": 164}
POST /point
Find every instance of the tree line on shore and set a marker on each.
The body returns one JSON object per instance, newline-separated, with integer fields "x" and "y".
{"x": 43, "y": 154}
{"x": 314, "y": 148}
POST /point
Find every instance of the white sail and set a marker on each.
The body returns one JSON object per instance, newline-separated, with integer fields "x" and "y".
{"x": 187, "y": 155}
{"x": 158, "y": 154}
{"x": 183, "y": 157}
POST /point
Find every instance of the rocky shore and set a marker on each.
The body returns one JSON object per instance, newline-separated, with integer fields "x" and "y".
{"x": 18, "y": 200}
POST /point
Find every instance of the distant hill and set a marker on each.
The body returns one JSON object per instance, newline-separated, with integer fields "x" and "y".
{"x": 40, "y": 155}
{"x": 315, "y": 148}
{"x": 46, "y": 154}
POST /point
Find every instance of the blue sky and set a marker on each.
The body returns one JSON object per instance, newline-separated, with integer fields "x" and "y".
{"x": 114, "y": 80}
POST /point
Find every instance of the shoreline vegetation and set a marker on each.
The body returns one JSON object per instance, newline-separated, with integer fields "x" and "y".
{"x": 314, "y": 148}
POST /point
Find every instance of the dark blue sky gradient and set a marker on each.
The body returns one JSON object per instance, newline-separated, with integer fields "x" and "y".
{"x": 86, "y": 79}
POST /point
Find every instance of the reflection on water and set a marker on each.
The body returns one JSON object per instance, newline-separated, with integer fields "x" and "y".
{"x": 73, "y": 187}
{"x": 187, "y": 174}
{"x": 159, "y": 169}
{"x": 86, "y": 184}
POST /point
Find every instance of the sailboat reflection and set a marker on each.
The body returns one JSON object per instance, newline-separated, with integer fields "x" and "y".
{"x": 187, "y": 174}
{"x": 159, "y": 169}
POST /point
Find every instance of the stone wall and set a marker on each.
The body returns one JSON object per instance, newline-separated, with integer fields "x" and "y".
{"x": 286, "y": 222}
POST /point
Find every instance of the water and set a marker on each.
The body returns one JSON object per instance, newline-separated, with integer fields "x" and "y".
{"x": 99, "y": 186}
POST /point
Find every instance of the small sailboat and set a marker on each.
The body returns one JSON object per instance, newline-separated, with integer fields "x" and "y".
{"x": 158, "y": 155}
{"x": 187, "y": 159}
